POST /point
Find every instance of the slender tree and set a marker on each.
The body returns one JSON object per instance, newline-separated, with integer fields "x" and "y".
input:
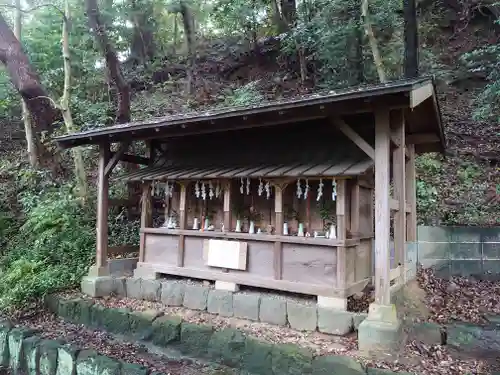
{"x": 25, "y": 79}
{"x": 411, "y": 39}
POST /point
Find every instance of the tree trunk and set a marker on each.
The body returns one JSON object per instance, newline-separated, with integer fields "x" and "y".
{"x": 379, "y": 64}
{"x": 81, "y": 176}
{"x": 189, "y": 33}
{"x": 112, "y": 63}
{"x": 25, "y": 79}
{"x": 28, "y": 130}
{"x": 358, "y": 65}
{"x": 411, "y": 39}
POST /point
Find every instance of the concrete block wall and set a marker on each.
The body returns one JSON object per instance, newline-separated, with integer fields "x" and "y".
{"x": 266, "y": 308}
{"x": 460, "y": 251}
{"x": 229, "y": 347}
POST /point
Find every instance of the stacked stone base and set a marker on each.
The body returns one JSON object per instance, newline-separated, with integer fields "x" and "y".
{"x": 23, "y": 352}
{"x": 259, "y": 307}
{"x": 229, "y": 347}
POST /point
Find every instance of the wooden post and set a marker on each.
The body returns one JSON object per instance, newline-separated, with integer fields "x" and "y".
{"x": 227, "y": 207}
{"x": 278, "y": 246}
{"x": 382, "y": 212}
{"x": 182, "y": 224}
{"x": 146, "y": 215}
{"x": 411, "y": 196}
{"x": 398, "y": 168}
{"x": 102, "y": 212}
{"x": 355, "y": 207}
{"x": 341, "y": 234}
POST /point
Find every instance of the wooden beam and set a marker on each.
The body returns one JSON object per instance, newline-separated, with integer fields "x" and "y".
{"x": 102, "y": 209}
{"x": 146, "y": 216}
{"x": 418, "y": 95}
{"x": 278, "y": 245}
{"x": 399, "y": 181}
{"x": 382, "y": 212}
{"x": 182, "y": 224}
{"x": 355, "y": 137}
{"x": 134, "y": 159}
{"x": 227, "y": 207}
{"x": 341, "y": 204}
{"x": 420, "y": 138}
{"x": 411, "y": 196}
{"x": 394, "y": 205}
{"x": 116, "y": 158}
{"x": 355, "y": 207}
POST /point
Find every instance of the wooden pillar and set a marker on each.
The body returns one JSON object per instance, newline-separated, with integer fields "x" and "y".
{"x": 146, "y": 215}
{"x": 227, "y": 207}
{"x": 182, "y": 224}
{"x": 355, "y": 207}
{"x": 411, "y": 196}
{"x": 398, "y": 168}
{"x": 102, "y": 212}
{"x": 382, "y": 211}
{"x": 341, "y": 234}
{"x": 278, "y": 245}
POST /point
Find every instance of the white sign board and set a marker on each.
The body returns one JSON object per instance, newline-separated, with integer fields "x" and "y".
{"x": 226, "y": 254}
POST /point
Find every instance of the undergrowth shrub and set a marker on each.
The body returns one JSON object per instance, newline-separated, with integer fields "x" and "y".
{"x": 54, "y": 246}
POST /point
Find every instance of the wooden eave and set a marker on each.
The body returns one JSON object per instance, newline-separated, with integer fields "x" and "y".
{"x": 416, "y": 96}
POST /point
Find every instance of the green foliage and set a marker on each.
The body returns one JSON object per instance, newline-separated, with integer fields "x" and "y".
{"x": 246, "y": 95}
{"x": 486, "y": 62}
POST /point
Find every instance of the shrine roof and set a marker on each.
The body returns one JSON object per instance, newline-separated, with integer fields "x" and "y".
{"x": 418, "y": 95}
{"x": 296, "y": 150}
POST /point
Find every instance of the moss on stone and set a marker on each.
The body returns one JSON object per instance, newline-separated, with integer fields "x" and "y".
{"x": 141, "y": 323}
{"x": 48, "y": 357}
{"x": 377, "y": 371}
{"x": 334, "y": 364}
{"x": 132, "y": 369}
{"x": 5, "y": 327}
{"x": 30, "y": 361}
{"x": 195, "y": 339}
{"x": 166, "y": 330}
{"x": 107, "y": 366}
{"x": 227, "y": 347}
{"x": 115, "y": 320}
{"x": 258, "y": 357}
{"x": 291, "y": 359}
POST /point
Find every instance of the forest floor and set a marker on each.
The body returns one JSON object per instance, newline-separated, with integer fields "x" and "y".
{"x": 467, "y": 308}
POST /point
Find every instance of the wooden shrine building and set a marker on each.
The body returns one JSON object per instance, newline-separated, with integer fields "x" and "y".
{"x": 291, "y": 195}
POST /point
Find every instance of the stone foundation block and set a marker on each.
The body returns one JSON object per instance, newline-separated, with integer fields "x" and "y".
{"x": 377, "y": 371}
{"x": 195, "y": 339}
{"x": 195, "y": 297}
{"x": 5, "y": 327}
{"x": 100, "y": 286}
{"x": 166, "y": 330}
{"x": 357, "y": 319}
{"x": 246, "y": 306}
{"x": 381, "y": 331}
{"x": 31, "y": 354}
{"x": 86, "y": 363}
{"x": 220, "y": 302}
{"x": 258, "y": 357}
{"x": 172, "y": 293}
{"x": 133, "y": 287}
{"x": 107, "y": 366}
{"x": 48, "y": 357}
{"x": 273, "y": 310}
{"x": 302, "y": 317}
{"x": 227, "y": 347}
{"x": 334, "y": 321}
{"x": 115, "y": 320}
{"x": 132, "y": 369}
{"x": 16, "y": 355}
{"x": 66, "y": 359}
{"x": 69, "y": 309}
{"x": 291, "y": 359}
{"x": 333, "y": 364}
{"x": 141, "y": 323}
{"x": 150, "y": 290}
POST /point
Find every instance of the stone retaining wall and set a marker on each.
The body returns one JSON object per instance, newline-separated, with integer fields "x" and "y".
{"x": 268, "y": 308}
{"x": 229, "y": 347}
{"x": 25, "y": 353}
